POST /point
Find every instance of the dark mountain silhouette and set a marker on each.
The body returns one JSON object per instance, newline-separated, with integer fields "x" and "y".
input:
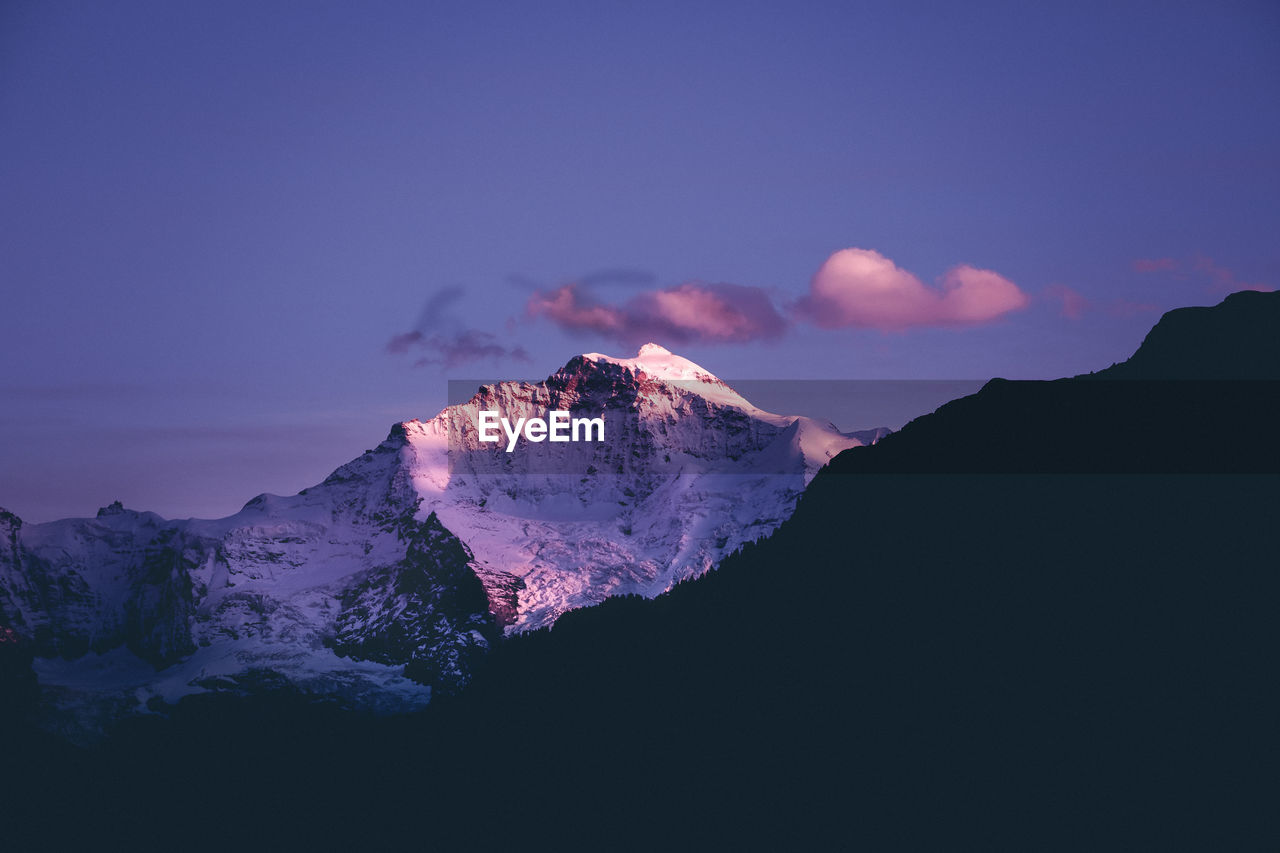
{"x": 1199, "y": 396}
{"x": 1042, "y": 617}
{"x": 381, "y": 586}
{"x": 1235, "y": 339}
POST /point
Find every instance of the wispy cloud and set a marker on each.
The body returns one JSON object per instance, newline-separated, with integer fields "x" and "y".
{"x": 854, "y": 288}
{"x": 693, "y": 312}
{"x": 1217, "y": 278}
{"x": 1155, "y": 265}
{"x": 1072, "y": 303}
{"x": 861, "y": 288}
{"x": 439, "y": 338}
{"x": 1222, "y": 279}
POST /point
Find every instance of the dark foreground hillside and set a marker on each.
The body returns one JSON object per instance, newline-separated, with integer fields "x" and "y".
{"x": 955, "y": 642}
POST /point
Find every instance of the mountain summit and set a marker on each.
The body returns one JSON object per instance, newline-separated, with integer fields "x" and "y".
{"x": 658, "y": 362}
{"x": 385, "y": 581}
{"x": 689, "y": 471}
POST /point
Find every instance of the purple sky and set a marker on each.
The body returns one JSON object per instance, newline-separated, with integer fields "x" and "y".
{"x": 230, "y": 232}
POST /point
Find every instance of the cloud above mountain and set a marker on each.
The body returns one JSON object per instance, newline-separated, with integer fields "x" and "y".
{"x": 693, "y": 312}
{"x": 439, "y": 338}
{"x": 853, "y": 289}
{"x": 861, "y": 288}
{"x": 1072, "y": 303}
{"x": 1218, "y": 279}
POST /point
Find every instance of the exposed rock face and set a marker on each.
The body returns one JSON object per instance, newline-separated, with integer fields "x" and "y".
{"x": 688, "y": 472}
{"x": 387, "y": 580}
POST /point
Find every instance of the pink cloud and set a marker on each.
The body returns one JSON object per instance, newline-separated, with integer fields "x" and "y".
{"x": 568, "y": 308}
{"x": 1128, "y": 308}
{"x": 692, "y": 312}
{"x": 862, "y": 288}
{"x": 1220, "y": 279}
{"x": 1073, "y": 303}
{"x": 1155, "y": 265}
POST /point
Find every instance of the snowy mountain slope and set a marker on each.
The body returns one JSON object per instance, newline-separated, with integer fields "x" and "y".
{"x": 385, "y": 581}
{"x": 689, "y": 472}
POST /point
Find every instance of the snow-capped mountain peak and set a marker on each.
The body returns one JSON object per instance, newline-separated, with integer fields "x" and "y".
{"x": 660, "y": 363}
{"x": 689, "y": 471}
{"x": 382, "y": 583}
{"x": 657, "y": 362}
